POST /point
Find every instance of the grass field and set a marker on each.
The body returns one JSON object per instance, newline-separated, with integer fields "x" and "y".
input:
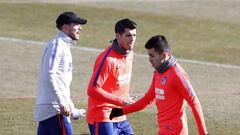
{"x": 195, "y": 38}
{"x": 192, "y": 38}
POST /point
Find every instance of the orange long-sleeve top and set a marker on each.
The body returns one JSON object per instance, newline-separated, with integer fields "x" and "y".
{"x": 172, "y": 91}
{"x": 109, "y": 85}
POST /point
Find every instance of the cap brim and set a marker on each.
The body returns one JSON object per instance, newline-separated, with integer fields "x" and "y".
{"x": 84, "y": 21}
{"x": 80, "y": 21}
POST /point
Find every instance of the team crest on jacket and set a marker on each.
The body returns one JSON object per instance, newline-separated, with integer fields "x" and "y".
{"x": 164, "y": 80}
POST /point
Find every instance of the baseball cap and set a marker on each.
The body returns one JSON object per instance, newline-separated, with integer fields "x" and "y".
{"x": 69, "y": 17}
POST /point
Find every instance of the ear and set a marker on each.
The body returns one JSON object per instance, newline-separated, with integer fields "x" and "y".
{"x": 117, "y": 35}
{"x": 161, "y": 53}
{"x": 65, "y": 28}
{"x": 166, "y": 54}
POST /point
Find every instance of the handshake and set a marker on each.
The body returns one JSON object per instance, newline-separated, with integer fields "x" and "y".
{"x": 119, "y": 111}
{"x": 115, "y": 113}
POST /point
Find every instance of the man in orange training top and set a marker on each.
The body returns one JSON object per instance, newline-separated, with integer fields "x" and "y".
{"x": 171, "y": 90}
{"x": 110, "y": 81}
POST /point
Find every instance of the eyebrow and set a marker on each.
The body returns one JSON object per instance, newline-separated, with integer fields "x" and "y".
{"x": 150, "y": 54}
{"x": 129, "y": 34}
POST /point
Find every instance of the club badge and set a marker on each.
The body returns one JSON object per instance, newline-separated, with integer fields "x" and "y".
{"x": 164, "y": 80}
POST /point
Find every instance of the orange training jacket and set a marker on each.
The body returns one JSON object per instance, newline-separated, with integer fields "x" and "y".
{"x": 109, "y": 85}
{"x": 172, "y": 91}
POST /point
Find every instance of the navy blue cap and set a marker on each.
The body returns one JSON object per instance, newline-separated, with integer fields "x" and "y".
{"x": 69, "y": 17}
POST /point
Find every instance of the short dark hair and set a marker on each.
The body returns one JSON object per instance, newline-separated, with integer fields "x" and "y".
{"x": 159, "y": 43}
{"x": 121, "y": 25}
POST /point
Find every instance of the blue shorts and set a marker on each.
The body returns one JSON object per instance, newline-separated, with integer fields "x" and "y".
{"x": 111, "y": 128}
{"x": 56, "y": 125}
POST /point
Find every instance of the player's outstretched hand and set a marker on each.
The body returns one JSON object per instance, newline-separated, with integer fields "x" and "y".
{"x": 115, "y": 113}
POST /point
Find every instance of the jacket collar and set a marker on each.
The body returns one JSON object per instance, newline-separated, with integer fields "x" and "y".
{"x": 118, "y": 49}
{"x": 166, "y": 65}
{"x": 66, "y": 38}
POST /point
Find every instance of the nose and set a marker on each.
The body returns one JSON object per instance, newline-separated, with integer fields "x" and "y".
{"x": 150, "y": 59}
{"x": 133, "y": 37}
{"x": 80, "y": 28}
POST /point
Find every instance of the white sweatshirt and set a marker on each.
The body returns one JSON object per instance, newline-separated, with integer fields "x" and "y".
{"x": 55, "y": 77}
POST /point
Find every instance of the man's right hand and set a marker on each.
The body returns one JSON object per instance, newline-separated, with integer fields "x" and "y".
{"x": 64, "y": 111}
{"x": 115, "y": 113}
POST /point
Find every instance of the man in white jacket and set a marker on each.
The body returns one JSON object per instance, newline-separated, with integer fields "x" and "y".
{"x": 54, "y": 106}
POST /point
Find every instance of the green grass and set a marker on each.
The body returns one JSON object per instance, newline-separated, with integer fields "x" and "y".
{"x": 197, "y": 39}
{"x": 200, "y": 39}
{"x": 17, "y": 118}
{"x": 224, "y": 10}
{"x": 21, "y": 122}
